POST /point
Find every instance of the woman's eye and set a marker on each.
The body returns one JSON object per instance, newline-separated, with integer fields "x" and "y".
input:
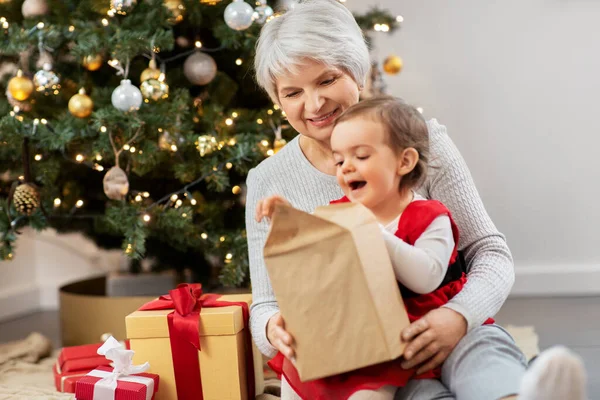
{"x": 328, "y": 82}
{"x": 293, "y": 94}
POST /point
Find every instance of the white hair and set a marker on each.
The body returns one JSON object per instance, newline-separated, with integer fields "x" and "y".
{"x": 321, "y": 30}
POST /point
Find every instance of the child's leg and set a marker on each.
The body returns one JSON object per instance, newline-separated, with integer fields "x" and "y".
{"x": 287, "y": 393}
{"x": 486, "y": 364}
{"x": 556, "y": 374}
{"x": 384, "y": 393}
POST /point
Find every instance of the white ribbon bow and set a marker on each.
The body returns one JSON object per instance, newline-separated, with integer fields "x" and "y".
{"x": 122, "y": 362}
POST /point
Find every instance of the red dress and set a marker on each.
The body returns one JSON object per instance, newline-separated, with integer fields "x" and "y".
{"x": 414, "y": 220}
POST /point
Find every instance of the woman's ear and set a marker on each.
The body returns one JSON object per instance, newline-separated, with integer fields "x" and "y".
{"x": 407, "y": 160}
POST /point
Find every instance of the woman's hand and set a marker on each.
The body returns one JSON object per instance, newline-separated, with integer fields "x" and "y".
{"x": 266, "y": 207}
{"x": 431, "y": 339}
{"x": 279, "y": 337}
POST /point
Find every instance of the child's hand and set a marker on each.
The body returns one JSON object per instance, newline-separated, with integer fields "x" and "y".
{"x": 279, "y": 337}
{"x": 266, "y": 207}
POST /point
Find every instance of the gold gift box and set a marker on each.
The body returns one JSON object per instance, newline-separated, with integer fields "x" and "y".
{"x": 222, "y": 354}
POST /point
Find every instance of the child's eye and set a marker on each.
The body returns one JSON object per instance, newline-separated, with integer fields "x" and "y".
{"x": 339, "y": 163}
{"x": 362, "y": 157}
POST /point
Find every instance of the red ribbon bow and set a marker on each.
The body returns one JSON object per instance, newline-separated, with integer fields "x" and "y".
{"x": 184, "y": 335}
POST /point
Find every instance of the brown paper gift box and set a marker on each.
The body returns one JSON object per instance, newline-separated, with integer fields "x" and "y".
{"x": 335, "y": 287}
{"x": 222, "y": 362}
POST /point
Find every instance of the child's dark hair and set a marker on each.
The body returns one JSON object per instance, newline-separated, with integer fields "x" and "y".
{"x": 405, "y": 127}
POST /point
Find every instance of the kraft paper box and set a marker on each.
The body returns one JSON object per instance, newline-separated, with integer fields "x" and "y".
{"x": 222, "y": 354}
{"x": 336, "y": 289}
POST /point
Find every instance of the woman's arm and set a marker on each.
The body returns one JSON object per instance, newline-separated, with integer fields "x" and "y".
{"x": 264, "y": 305}
{"x": 422, "y": 267}
{"x": 491, "y": 270}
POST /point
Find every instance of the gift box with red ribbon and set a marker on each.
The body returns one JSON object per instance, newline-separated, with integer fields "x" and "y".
{"x": 199, "y": 344}
{"x": 78, "y": 358}
{"x": 74, "y": 362}
{"x": 103, "y": 384}
{"x": 66, "y": 381}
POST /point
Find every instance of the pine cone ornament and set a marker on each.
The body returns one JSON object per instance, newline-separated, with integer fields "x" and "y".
{"x": 26, "y": 198}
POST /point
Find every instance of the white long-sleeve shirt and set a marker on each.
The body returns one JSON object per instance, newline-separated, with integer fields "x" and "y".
{"x": 289, "y": 174}
{"x": 421, "y": 267}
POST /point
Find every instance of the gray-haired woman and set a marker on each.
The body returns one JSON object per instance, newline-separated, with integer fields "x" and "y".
{"x": 313, "y": 62}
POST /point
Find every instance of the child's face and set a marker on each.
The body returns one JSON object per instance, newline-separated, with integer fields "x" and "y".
{"x": 367, "y": 167}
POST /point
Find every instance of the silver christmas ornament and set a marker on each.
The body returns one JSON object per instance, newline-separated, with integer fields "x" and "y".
{"x": 126, "y": 97}
{"x": 34, "y": 8}
{"x": 262, "y": 13}
{"x": 200, "y": 68}
{"x": 45, "y": 79}
{"x": 238, "y": 15}
{"x": 122, "y": 6}
{"x": 285, "y": 5}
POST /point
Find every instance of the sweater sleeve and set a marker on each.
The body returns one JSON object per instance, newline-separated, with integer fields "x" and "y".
{"x": 422, "y": 267}
{"x": 264, "y": 305}
{"x": 491, "y": 272}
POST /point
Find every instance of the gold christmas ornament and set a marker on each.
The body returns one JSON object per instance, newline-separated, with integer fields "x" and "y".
{"x": 170, "y": 141}
{"x": 154, "y": 89}
{"x": 34, "y": 8}
{"x": 26, "y": 198}
{"x": 116, "y": 185}
{"x": 151, "y": 72}
{"x": 207, "y": 144}
{"x": 165, "y": 141}
{"x": 81, "y": 105}
{"x": 20, "y": 87}
{"x": 177, "y": 9}
{"x": 209, "y": 2}
{"x": 23, "y": 105}
{"x": 392, "y": 65}
{"x": 278, "y": 144}
{"x": 93, "y": 62}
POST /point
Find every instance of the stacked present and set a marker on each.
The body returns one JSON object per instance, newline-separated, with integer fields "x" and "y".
{"x": 73, "y": 363}
{"x": 122, "y": 381}
{"x": 199, "y": 344}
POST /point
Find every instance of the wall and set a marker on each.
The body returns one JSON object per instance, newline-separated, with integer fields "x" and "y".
{"x": 516, "y": 84}
{"x": 42, "y": 263}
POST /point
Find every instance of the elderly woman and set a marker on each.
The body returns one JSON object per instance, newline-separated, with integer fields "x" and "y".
{"x": 313, "y": 63}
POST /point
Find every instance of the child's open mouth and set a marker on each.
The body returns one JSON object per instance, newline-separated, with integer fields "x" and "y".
{"x": 356, "y": 185}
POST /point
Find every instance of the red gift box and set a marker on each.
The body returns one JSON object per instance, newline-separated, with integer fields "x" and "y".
{"x": 66, "y": 381}
{"x": 79, "y": 358}
{"x": 132, "y": 387}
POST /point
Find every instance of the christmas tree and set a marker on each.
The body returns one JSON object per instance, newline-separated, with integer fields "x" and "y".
{"x": 136, "y": 122}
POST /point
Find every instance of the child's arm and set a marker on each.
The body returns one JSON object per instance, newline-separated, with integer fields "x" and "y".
{"x": 422, "y": 267}
{"x": 266, "y": 206}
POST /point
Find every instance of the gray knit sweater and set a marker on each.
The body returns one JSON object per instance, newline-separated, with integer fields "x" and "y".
{"x": 291, "y": 175}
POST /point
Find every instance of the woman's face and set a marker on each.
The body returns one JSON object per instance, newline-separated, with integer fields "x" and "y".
{"x": 314, "y": 97}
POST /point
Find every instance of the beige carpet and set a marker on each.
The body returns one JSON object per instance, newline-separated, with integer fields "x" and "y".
{"x": 23, "y": 377}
